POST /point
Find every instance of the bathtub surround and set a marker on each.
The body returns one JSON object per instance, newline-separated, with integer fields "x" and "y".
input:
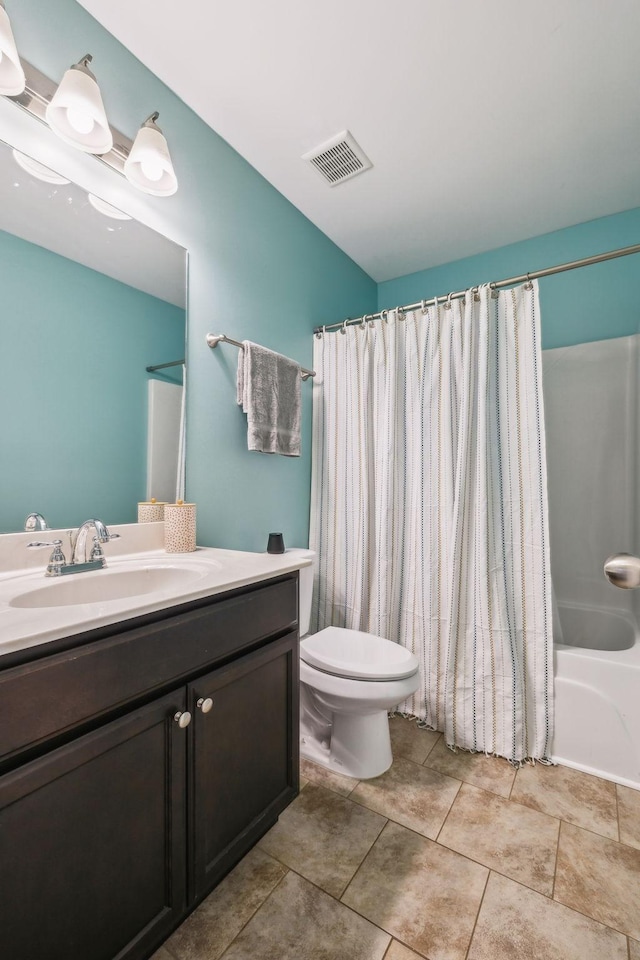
{"x": 429, "y": 510}
{"x": 592, "y": 412}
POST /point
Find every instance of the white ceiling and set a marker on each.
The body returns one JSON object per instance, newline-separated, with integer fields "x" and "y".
{"x": 487, "y": 122}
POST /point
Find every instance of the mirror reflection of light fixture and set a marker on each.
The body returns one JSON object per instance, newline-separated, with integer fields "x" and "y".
{"x": 37, "y": 169}
{"x": 106, "y": 208}
{"x": 76, "y": 112}
{"x": 149, "y": 165}
{"x": 12, "y": 79}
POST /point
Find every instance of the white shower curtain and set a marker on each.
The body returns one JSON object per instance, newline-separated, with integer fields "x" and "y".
{"x": 429, "y": 509}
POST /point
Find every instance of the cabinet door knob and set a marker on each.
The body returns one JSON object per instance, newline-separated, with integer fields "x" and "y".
{"x": 205, "y": 705}
{"x": 182, "y": 719}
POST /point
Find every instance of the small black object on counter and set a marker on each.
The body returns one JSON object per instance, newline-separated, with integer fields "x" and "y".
{"x": 276, "y": 543}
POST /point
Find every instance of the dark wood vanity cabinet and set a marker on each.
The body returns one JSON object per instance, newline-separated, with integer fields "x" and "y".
{"x": 121, "y": 824}
{"x": 242, "y": 753}
{"x": 92, "y": 838}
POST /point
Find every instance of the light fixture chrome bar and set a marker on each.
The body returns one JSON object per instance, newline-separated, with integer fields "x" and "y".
{"x": 36, "y": 98}
{"x": 496, "y": 285}
{"x": 161, "y": 366}
{"x": 213, "y": 339}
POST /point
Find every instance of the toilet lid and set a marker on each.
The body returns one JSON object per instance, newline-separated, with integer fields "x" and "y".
{"x": 356, "y": 655}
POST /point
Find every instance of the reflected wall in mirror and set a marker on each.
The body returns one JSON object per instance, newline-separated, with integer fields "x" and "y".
{"x": 89, "y": 300}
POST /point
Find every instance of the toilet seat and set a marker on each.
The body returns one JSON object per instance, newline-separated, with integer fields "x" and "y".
{"x": 355, "y": 655}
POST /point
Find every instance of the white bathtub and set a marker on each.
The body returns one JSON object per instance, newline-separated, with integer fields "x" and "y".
{"x": 597, "y": 694}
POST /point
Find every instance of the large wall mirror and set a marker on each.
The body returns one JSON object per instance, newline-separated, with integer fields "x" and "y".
{"x": 90, "y": 299}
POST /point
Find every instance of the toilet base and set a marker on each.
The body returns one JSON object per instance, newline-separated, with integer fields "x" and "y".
{"x": 358, "y": 745}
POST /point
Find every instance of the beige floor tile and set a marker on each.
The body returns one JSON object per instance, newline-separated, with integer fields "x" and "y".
{"x": 511, "y": 839}
{"x": 213, "y": 925}
{"x": 398, "y": 952}
{"x": 162, "y": 954}
{"x": 570, "y": 795}
{"x": 300, "y": 922}
{"x": 303, "y": 782}
{"x": 634, "y": 949}
{"x": 629, "y": 815}
{"x": 415, "y": 796}
{"x": 421, "y": 893}
{"x": 599, "y": 877}
{"x": 314, "y": 773}
{"x": 411, "y": 741}
{"x": 491, "y": 773}
{"x": 324, "y": 837}
{"x": 515, "y": 922}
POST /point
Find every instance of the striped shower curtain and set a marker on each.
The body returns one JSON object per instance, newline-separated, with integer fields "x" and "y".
{"x": 429, "y": 509}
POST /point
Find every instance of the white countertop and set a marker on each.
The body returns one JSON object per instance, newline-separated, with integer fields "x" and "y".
{"x": 211, "y": 571}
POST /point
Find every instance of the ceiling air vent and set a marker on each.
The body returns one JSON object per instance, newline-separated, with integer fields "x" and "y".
{"x": 338, "y": 159}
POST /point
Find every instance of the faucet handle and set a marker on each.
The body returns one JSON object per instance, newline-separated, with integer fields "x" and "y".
{"x": 97, "y": 553}
{"x": 57, "y": 559}
{"x": 45, "y": 543}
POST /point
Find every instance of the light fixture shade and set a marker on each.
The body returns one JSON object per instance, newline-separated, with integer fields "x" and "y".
{"x": 76, "y": 112}
{"x": 12, "y": 79}
{"x": 148, "y": 167}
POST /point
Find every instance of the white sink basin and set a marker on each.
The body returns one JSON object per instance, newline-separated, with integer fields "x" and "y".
{"x": 109, "y": 584}
{"x": 35, "y": 609}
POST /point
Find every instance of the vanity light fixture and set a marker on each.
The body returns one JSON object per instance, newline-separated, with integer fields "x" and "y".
{"x": 37, "y": 169}
{"x": 12, "y": 78}
{"x": 76, "y": 112}
{"x": 149, "y": 165}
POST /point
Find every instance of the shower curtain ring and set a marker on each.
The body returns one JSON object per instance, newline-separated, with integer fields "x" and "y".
{"x": 447, "y": 305}
{"x": 400, "y": 313}
{"x": 528, "y": 285}
{"x": 476, "y": 294}
{"x": 343, "y": 328}
{"x": 494, "y": 293}
{"x": 363, "y": 322}
{"x": 424, "y": 307}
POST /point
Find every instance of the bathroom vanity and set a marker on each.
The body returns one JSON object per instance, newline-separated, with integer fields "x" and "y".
{"x": 139, "y": 760}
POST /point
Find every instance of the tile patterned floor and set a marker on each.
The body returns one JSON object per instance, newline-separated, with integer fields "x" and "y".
{"x": 445, "y": 857}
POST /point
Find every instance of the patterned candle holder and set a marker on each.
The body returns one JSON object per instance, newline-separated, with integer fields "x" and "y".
{"x": 151, "y": 511}
{"x": 180, "y": 527}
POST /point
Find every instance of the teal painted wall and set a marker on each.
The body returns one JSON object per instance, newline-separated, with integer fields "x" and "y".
{"x": 595, "y": 303}
{"x": 258, "y": 270}
{"x": 74, "y": 345}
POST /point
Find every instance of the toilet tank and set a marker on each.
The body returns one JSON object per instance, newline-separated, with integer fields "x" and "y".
{"x": 306, "y": 588}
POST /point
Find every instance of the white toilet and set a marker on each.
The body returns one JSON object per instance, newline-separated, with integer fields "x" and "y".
{"x": 348, "y": 682}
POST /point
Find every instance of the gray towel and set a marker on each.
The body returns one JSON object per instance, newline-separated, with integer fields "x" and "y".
{"x": 270, "y": 395}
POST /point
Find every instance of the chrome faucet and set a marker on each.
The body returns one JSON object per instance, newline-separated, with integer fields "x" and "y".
{"x": 79, "y": 542}
{"x": 80, "y": 563}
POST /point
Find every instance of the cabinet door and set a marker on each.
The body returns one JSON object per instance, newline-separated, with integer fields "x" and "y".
{"x": 92, "y": 842}
{"x": 244, "y": 768}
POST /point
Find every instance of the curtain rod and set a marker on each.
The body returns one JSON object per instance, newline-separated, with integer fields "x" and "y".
{"x": 213, "y": 339}
{"x": 161, "y": 366}
{"x": 534, "y": 275}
